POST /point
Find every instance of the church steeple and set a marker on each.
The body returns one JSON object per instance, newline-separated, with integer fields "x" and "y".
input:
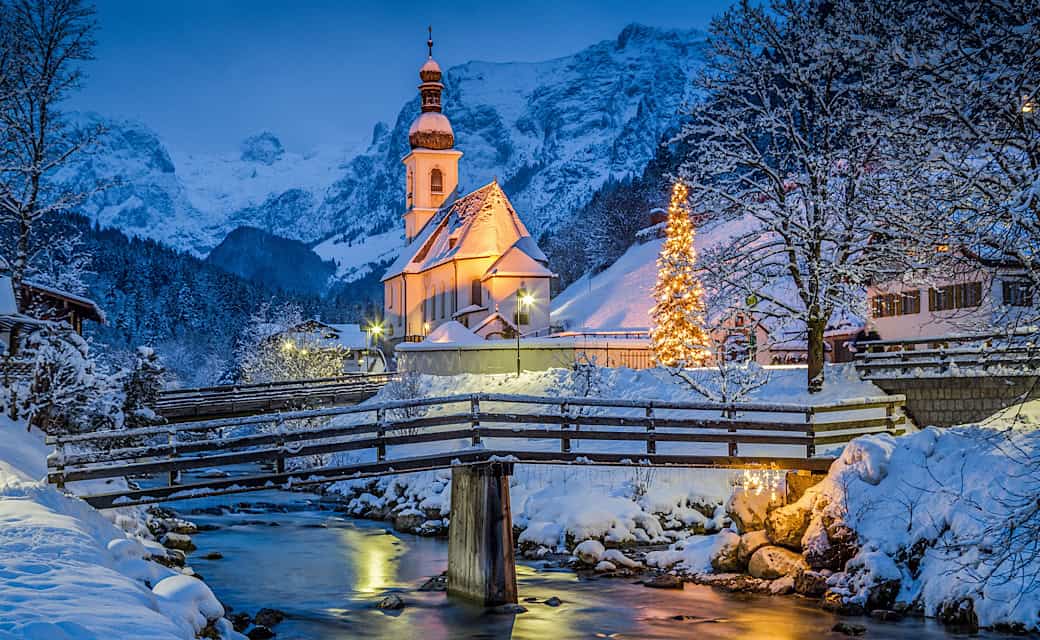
{"x": 431, "y": 169}
{"x": 431, "y": 130}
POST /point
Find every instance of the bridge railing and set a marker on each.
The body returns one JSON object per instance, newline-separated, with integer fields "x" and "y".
{"x": 529, "y": 428}
{"x": 241, "y": 399}
{"x": 1014, "y": 352}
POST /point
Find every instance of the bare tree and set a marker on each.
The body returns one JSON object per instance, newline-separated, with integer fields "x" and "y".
{"x": 42, "y": 43}
{"x": 789, "y": 150}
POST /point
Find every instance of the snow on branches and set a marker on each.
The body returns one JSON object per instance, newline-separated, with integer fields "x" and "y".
{"x": 677, "y": 332}
{"x": 789, "y": 148}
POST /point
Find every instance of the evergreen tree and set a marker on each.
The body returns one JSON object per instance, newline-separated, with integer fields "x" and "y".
{"x": 142, "y": 388}
{"x": 677, "y": 331}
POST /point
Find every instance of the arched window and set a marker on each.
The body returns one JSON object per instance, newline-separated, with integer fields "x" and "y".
{"x": 444, "y": 301}
{"x": 436, "y": 181}
{"x": 474, "y": 292}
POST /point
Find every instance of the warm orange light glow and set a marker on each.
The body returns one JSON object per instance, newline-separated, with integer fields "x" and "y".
{"x": 677, "y": 331}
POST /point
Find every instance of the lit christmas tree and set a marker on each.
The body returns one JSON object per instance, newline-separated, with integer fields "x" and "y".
{"x": 677, "y": 320}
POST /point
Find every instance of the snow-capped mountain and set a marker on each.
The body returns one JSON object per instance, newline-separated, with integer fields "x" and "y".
{"x": 552, "y": 132}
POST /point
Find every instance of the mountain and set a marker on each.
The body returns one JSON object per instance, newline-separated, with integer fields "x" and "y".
{"x": 552, "y": 132}
{"x": 272, "y": 261}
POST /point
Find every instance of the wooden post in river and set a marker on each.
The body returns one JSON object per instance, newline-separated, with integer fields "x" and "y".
{"x": 481, "y": 566}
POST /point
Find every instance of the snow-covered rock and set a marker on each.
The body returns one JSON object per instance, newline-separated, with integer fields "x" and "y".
{"x": 188, "y": 601}
{"x": 617, "y": 558}
{"x": 749, "y": 544}
{"x": 726, "y": 557}
{"x": 748, "y": 508}
{"x": 770, "y": 563}
{"x": 589, "y": 551}
{"x": 786, "y": 525}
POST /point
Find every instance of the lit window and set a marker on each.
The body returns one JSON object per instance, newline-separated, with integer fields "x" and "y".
{"x": 904, "y": 303}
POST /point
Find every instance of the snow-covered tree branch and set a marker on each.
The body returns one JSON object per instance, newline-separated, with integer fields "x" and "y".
{"x": 789, "y": 149}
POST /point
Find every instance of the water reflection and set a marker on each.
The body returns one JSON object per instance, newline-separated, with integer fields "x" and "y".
{"x": 327, "y": 573}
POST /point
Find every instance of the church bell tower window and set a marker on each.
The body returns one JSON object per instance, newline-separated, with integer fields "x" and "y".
{"x": 436, "y": 181}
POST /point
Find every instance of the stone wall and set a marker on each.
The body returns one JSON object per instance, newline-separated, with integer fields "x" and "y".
{"x": 949, "y": 401}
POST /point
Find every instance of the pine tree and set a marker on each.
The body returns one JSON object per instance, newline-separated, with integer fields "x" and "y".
{"x": 677, "y": 331}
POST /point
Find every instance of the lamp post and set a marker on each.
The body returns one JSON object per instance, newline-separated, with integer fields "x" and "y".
{"x": 522, "y": 300}
{"x": 372, "y": 333}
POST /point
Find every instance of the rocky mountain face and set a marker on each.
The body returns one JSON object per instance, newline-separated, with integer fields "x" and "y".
{"x": 552, "y": 133}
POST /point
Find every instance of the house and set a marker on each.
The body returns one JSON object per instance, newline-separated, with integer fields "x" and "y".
{"x": 469, "y": 258}
{"x": 347, "y": 345}
{"x": 40, "y": 305}
{"x": 961, "y": 292}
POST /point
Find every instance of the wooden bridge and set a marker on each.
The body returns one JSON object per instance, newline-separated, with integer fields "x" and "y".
{"x": 202, "y": 403}
{"x": 480, "y": 437}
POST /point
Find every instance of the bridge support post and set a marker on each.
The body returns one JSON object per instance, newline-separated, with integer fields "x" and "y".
{"x": 481, "y": 565}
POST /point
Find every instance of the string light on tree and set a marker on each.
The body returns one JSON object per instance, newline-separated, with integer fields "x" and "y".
{"x": 677, "y": 331}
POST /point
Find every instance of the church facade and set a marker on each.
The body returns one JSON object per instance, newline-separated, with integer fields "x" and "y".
{"x": 469, "y": 258}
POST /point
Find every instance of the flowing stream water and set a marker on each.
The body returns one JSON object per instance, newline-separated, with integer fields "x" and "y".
{"x": 327, "y": 573}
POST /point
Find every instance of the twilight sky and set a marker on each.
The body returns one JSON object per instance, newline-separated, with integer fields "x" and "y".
{"x": 207, "y": 73}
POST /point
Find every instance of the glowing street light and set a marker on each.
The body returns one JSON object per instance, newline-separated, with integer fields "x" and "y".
{"x": 524, "y": 300}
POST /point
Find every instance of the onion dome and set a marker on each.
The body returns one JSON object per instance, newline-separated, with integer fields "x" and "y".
{"x": 431, "y": 130}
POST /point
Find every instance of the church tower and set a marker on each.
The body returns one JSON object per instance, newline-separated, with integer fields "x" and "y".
{"x": 432, "y": 166}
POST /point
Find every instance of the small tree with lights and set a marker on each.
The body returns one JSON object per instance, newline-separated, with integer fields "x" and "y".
{"x": 677, "y": 331}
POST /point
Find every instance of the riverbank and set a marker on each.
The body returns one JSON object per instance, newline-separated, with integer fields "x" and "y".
{"x": 68, "y": 572}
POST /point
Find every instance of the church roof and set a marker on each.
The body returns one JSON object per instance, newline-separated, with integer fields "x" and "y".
{"x": 480, "y": 224}
{"x": 524, "y": 258}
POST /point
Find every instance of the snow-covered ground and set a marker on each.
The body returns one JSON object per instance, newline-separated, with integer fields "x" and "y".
{"x": 620, "y": 297}
{"x": 68, "y": 572}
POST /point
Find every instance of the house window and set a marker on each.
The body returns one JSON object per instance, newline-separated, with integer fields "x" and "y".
{"x": 436, "y": 181}
{"x": 955, "y": 296}
{"x": 474, "y": 292}
{"x": 444, "y": 301}
{"x": 1018, "y": 293}
{"x": 904, "y": 303}
{"x": 409, "y": 189}
{"x": 390, "y": 296}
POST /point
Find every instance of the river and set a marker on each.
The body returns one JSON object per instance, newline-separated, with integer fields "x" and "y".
{"x": 327, "y": 573}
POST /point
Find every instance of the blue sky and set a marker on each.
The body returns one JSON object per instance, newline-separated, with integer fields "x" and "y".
{"x": 206, "y": 74}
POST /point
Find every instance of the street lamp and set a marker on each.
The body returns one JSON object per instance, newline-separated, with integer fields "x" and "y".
{"x": 523, "y": 300}
{"x": 372, "y": 333}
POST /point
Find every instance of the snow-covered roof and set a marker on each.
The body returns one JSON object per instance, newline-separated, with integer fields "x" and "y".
{"x": 478, "y": 225}
{"x": 8, "y": 303}
{"x": 495, "y": 317}
{"x": 452, "y": 332}
{"x": 93, "y": 311}
{"x": 473, "y": 308}
{"x": 350, "y": 336}
{"x": 431, "y": 121}
{"x": 519, "y": 261}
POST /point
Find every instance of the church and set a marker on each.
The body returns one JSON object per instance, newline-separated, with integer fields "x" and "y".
{"x": 469, "y": 258}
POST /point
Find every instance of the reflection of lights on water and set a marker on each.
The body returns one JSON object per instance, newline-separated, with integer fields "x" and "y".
{"x": 372, "y": 559}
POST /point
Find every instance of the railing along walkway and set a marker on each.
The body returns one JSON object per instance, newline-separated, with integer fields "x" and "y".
{"x": 528, "y": 429}
{"x": 179, "y": 405}
{"x": 1014, "y": 352}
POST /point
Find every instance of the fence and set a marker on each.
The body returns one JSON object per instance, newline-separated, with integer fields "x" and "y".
{"x": 528, "y": 429}
{"x": 1016, "y": 353}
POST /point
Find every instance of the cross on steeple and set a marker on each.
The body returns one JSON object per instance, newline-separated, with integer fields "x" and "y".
{"x": 429, "y": 43}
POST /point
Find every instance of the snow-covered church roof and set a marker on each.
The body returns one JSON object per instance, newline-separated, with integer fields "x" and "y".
{"x": 481, "y": 224}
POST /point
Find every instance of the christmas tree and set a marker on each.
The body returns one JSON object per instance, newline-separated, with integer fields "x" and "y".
{"x": 677, "y": 319}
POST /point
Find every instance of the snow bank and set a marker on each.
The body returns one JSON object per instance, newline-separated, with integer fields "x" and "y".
{"x": 67, "y": 572}
{"x": 951, "y": 514}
